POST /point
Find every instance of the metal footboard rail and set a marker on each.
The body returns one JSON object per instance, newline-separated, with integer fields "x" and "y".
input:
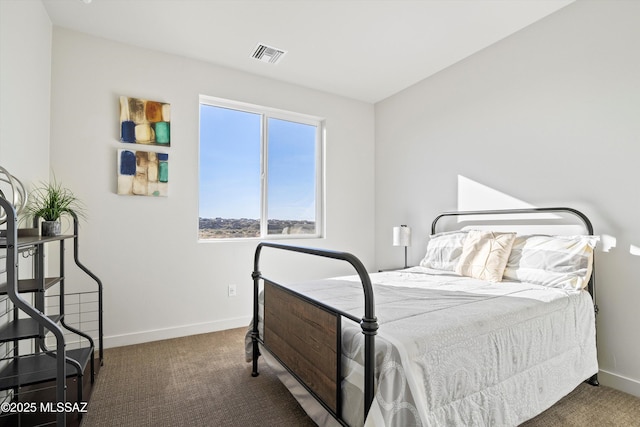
{"x": 368, "y": 323}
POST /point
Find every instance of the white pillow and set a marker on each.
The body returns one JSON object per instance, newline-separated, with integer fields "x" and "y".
{"x": 444, "y": 250}
{"x": 556, "y": 261}
{"x": 485, "y": 254}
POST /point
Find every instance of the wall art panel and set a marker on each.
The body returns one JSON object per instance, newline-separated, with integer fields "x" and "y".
{"x": 143, "y": 173}
{"x": 145, "y": 122}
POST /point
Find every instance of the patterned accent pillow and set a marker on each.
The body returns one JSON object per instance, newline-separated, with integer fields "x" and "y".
{"x": 485, "y": 254}
{"x": 444, "y": 250}
{"x": 556, "y": 261}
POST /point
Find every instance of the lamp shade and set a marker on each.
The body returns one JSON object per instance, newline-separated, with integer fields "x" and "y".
{"x": 402, "y": 236}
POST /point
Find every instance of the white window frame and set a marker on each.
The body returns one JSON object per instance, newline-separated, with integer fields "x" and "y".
{"x": 266, "y": 113}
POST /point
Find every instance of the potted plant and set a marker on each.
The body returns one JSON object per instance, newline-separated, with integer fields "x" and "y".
{"x": 50, "y": 202}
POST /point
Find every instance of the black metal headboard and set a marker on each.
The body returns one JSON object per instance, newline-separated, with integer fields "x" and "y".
{"x": 591, "y": 286}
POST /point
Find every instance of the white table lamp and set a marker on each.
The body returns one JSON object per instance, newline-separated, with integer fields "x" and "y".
{"x": 402, "y": 237}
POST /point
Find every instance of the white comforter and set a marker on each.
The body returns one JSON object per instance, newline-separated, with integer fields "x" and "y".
{"x": 459, "y": 351}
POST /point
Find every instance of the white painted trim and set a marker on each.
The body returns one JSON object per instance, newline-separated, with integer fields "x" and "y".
{"x": 179, "y": 331}
{"x": 619, "y": 382}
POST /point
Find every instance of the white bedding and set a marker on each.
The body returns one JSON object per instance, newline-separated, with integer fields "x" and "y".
{"x": 453, "y": 350}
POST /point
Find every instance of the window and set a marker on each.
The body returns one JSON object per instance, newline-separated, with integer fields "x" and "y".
{"x": 260, "y": 172}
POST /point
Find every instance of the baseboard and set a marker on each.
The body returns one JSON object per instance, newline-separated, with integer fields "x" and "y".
{"x": 619, "y": 382}
{"x": 179, "y": 331}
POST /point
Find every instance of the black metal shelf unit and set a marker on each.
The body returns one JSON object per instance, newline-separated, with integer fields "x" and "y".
{"x": 29, "y": 320}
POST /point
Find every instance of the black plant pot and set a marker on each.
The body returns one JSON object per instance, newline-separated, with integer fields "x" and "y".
{"x": 50, "y": 228}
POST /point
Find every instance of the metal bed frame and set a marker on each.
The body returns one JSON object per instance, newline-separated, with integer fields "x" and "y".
{"x": 368, "y": 322}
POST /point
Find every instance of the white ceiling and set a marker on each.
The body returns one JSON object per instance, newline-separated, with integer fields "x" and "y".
{"x": 366, "y": 50}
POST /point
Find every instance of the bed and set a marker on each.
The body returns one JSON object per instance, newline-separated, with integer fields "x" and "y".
{"x": 492, "y": 328}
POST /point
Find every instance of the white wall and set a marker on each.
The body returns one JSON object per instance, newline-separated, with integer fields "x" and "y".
{"x": 25, "y": 82}
{"x": 159, "y": 281}
{"x": 549, "y": 116}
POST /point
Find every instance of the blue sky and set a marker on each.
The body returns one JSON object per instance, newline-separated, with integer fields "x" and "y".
{"x": 230, "y": 166}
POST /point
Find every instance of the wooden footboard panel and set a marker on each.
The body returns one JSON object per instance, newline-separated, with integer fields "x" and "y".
{"x": 306, "y": 339}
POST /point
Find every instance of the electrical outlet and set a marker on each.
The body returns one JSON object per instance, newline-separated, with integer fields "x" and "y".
{"x": 232, "y": 290}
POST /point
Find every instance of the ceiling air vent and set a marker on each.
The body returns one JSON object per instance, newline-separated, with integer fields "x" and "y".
{"x": 269, "y": 54}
